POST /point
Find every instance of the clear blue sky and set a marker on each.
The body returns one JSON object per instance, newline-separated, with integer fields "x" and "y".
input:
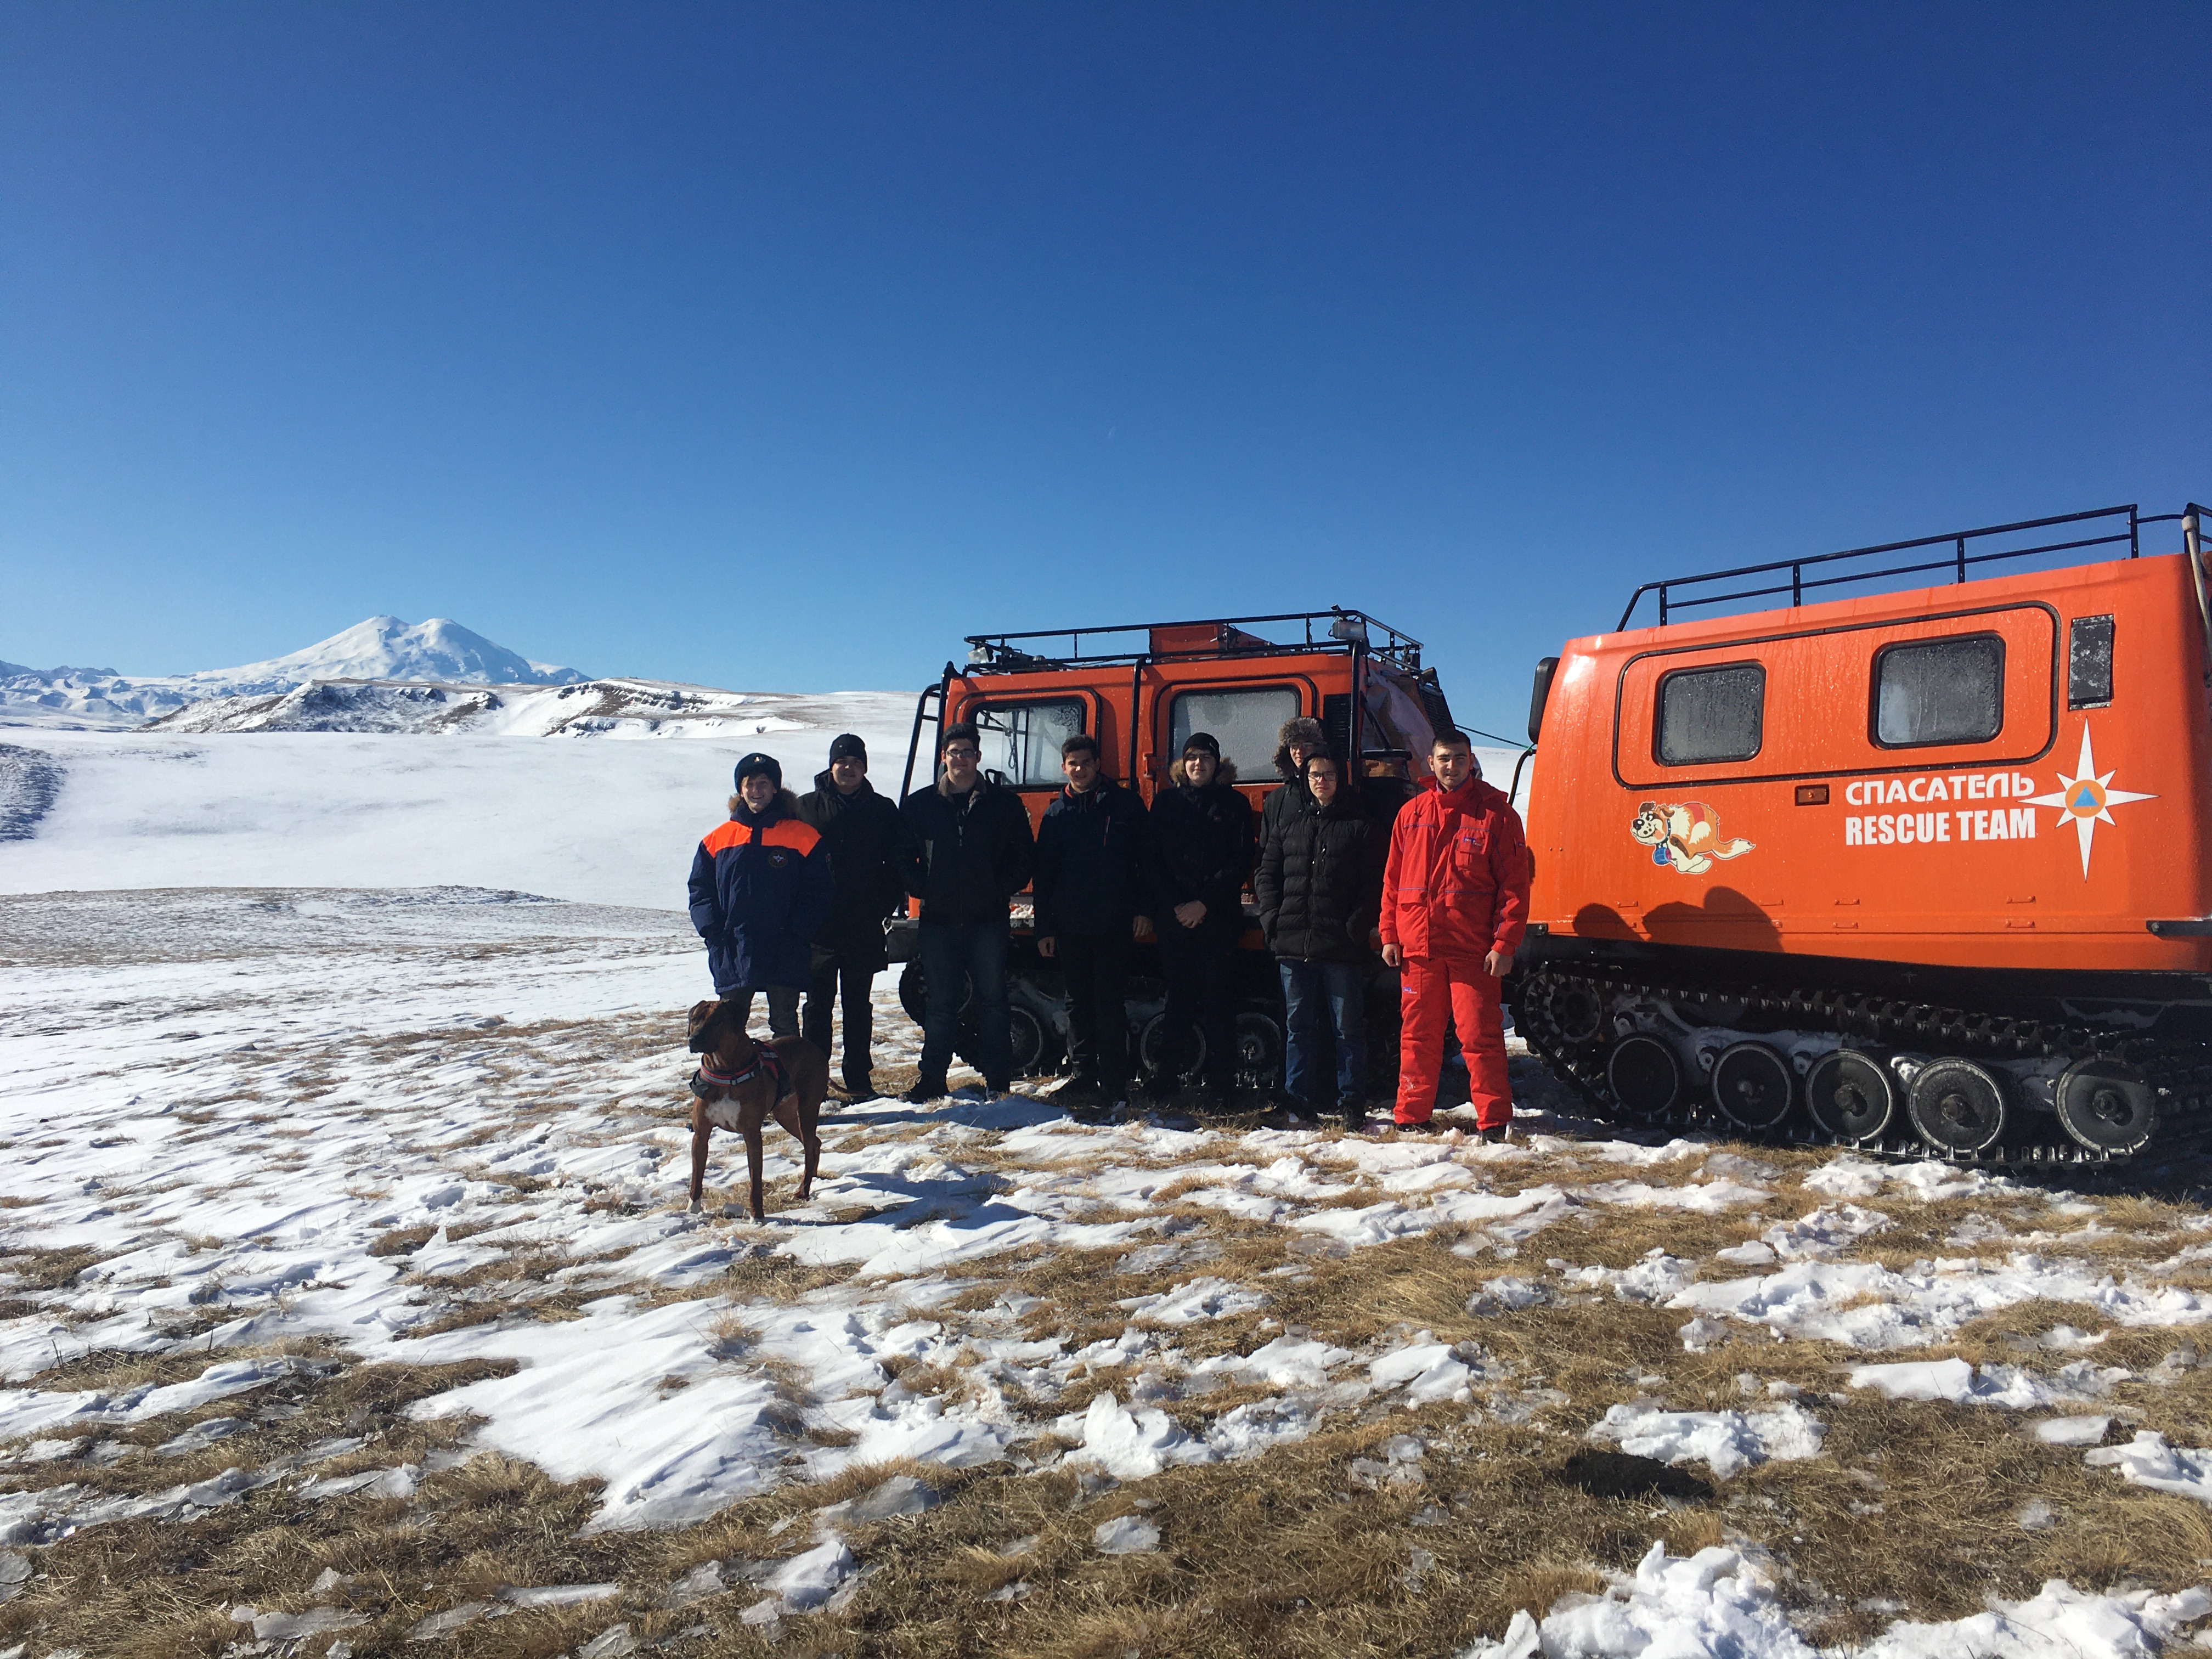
{"x": 777, "y": 348}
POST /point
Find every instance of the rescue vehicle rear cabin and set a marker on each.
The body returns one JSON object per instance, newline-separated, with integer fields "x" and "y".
{"x": 1926, "y": 871}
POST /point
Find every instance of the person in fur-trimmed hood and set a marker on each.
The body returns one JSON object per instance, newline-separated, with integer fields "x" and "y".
{"x": 1200, "y": 853}
{"x": 760, "y": 886}
{"x": 1299, "y": 739}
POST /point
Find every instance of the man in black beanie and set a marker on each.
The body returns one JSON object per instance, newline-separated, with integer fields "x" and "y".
{"x": 760, "y": 886}
{"x": 865, "y": 837}
{"x": 970, "y": 850}
{"x": 1200, "y": 847}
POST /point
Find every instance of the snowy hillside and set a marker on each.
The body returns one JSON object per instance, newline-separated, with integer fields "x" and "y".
{"x": 610, "y": 822}
{"x": 607, "y": 707}
{"x": 381, "y": 648}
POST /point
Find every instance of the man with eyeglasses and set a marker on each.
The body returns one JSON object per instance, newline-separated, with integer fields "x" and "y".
{"x": 970, "y": 849}
{"x": 1320, "y": 885}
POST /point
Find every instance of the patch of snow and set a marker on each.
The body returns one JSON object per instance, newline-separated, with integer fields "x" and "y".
{"x": 1428, "y": 1371}
{"x": 1129, "y": 1445}
{"x": 1507, "y": 1294}
{"x": 1963, "y": 1384}
{"x": 805, "y": 1581}
{"x": 1127, "y": 1535}
{"x": 1657, "y": 1277}
{"x": 2148, "y": 1461}
{"x": 1715, "y": 1602}
{"x": 2071, "y": 1431}
{"x": 2058, "y": 1622}
{"x": 1201, "y": 1300}
{"x": 1727, "y": 1441}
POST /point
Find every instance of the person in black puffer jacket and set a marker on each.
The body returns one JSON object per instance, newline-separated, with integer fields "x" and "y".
{"x": 1201, "y": 853}
{"x": 968, "y": 851}
{"x": 1320, "y": 889}
{"x": 862, "y": 830}
{"x": 1091, "y": 907}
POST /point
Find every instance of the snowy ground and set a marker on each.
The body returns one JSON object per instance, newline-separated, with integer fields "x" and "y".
{"x": 347, "y": 1302}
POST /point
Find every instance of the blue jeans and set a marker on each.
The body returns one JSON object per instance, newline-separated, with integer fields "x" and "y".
{"x": 956, "y": 954}
{"x": 1306, "y": 984}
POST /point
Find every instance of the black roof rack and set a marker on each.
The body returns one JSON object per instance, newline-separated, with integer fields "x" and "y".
{"x": 1340, "y": 630}
{"x": 1958, "y": 560}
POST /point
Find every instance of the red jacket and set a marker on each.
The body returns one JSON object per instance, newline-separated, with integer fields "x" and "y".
{"x": 1457, "y": 886}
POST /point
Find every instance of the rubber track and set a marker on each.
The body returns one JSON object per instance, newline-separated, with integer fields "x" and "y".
{"x": 2183, "y": 1070}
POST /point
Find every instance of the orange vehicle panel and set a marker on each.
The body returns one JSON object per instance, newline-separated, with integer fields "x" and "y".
{"x": 1109, "y": 694}
{"x": 2047, "y": 844}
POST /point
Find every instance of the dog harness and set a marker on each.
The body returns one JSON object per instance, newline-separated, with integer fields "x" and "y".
{"x": 709, "y": 1081}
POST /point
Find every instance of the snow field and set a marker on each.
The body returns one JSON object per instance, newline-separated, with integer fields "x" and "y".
{"x": 293, "y": 1130}
{"x": 604, "y": 823}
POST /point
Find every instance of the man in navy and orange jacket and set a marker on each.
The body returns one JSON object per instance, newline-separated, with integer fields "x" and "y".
{"x": 760, "y": 884}
{"x": 1455, "y": 905}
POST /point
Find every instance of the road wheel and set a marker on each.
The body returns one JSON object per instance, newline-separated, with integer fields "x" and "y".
{"x": 1754, "y": 1086}
{"x": 1259, "y": 1051}
{"x": 2107, "y": 1107}
{"x": 1152, "y": 1054}
{"x": 1850, "y": 1095}
{"x": 1645, "y": 1075}
{"x": 1957, "y": 1105}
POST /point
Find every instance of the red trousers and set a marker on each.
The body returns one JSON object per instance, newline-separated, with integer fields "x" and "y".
{"x": 1432, "y": 987}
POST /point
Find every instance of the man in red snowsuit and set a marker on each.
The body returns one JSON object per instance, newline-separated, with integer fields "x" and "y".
{"x": 1454, "y": 904}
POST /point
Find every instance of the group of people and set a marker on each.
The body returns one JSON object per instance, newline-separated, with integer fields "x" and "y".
{"x": 791, "y": 893}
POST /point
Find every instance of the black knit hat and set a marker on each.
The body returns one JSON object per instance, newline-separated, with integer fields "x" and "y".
{"x": 759, "y": 764}
{"x": 846, "y": 746}
{"x": 1202, "y": 740}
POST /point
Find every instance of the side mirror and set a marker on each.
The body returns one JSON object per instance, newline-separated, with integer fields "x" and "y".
{"x": 1537, "y": 696}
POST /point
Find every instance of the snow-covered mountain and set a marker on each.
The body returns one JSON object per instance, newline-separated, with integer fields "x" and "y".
{"x": 386, "y": 648}
{"x": 381, "y": 648}
{"x": 606, "y": 708}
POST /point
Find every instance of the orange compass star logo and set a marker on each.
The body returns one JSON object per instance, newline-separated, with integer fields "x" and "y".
{"x": 2085, "y": 798}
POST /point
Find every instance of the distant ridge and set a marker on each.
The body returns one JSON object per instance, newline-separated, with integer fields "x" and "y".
{"x": 380, "y": 648}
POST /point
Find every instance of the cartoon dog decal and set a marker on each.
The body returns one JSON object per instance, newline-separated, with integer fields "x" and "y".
{"x": 1684, "y": 835}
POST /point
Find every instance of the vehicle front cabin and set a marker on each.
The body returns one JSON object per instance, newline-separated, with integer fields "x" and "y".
{"x": 1141, "y": 690}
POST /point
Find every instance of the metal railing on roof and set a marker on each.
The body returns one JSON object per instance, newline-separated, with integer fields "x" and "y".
{"x": 1965, "y": 550}
{"x": 1340, "y": 630}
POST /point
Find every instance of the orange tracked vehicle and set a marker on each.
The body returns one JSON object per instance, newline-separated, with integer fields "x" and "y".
{"x": 1141, "y": 690}
{"x": 1926, "y": 872}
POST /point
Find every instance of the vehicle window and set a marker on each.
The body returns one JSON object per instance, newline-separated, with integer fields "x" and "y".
{"x": 1243, "y": 722}
{"x": 1021, "y": 740}
{"x": 1940, "y": 691}
{"x": 1711, "y": 714}
{"x": 2089, "y": 663}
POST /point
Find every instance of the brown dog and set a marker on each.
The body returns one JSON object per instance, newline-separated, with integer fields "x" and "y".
{"x": 741, "y": 1084}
